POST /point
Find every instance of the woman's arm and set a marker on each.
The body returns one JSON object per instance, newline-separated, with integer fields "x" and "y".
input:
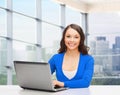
{"x": 52, "y": 65}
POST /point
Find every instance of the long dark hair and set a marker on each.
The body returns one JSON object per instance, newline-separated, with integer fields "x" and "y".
{"x": 82, "y": 47}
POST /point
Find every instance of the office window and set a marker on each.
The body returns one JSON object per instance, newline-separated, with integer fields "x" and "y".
{"x": 2, "y": 22}
{"x": 24, "y": 51}
{"x": 50, "y": 34}
{"x": 51, "y": 37}
{"x": 50, "y": 12}
{"x": 3, "y": 3}
{"x": 27, "y": 7}
{"x": 103, "y": 39}
{"x": 3, "y": 44}
{"x": 24, "y": 28}
{"x": 3, "y": 61}
{"x": 73, "y": 16}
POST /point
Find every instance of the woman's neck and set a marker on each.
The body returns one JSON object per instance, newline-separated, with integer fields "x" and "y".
{"x": 72, "y": 53}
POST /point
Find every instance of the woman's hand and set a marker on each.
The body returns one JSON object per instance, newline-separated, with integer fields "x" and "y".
{"x": 58, "y": 83}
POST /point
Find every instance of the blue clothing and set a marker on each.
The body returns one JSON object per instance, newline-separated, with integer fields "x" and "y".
{"x": 83, "y": 75}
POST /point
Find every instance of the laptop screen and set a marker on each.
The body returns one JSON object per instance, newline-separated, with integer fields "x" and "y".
{"x": 34, "y": 75}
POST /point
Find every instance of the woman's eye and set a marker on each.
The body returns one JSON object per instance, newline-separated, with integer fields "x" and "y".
{"x": 68, "y": 36}
{"x": 76, "y": 37}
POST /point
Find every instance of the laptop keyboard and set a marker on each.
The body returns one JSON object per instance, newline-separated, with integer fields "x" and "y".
{"x": 57, "y": 87}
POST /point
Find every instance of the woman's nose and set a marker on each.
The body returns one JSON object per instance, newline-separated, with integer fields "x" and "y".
{"x": 72, "y": 39}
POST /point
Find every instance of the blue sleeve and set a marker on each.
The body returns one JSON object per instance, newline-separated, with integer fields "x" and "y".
{"x": 87, "y": 77}
{"x": 52, "y": 64}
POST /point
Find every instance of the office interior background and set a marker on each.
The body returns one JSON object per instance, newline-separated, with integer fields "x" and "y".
{"x": 31, "y": 30}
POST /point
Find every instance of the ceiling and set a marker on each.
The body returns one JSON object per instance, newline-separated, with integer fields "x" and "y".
{"x": 88, "y": 6}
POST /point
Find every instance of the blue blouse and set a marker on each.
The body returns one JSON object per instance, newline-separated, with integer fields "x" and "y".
{"x": 83, "y": 75}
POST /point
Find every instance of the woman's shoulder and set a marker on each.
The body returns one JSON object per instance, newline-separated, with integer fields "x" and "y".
{"x": 87, "y": 59}
{"x": 87, "y": 56}
{"x": 57, "y": 57}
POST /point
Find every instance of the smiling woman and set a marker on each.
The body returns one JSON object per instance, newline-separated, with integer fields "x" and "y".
{"x": 73, "y": 65}
{"x": 72, "y": 39}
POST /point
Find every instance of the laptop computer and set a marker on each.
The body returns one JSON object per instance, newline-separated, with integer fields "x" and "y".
{"x": 35, "y": 76}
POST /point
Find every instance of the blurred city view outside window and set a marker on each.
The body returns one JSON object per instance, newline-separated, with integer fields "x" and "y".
{"x": 103, "y": 39}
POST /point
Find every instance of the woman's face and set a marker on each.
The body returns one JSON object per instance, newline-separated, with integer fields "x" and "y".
{"x": 72, "y": 39}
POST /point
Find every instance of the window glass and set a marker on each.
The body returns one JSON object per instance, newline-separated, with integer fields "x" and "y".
{"x": 72, "y": 16}
{"x": 3, "y": 61}
{"x": 51, "y": 37}
{"x": 103, "y": 39}
{"x": 24, "y": 28}
{"x": 2, "y": 22}
{"x": 51, "y": 12}
{"x": 24, "y": 51}
{"x": 25, "y": 6}
{"x": 2, "y": 3}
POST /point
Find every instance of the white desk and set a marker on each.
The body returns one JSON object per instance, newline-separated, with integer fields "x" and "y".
{"x": 92, "y": 90}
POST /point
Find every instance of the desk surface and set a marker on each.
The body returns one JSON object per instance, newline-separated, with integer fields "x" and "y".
{"x": 92, "y": 90}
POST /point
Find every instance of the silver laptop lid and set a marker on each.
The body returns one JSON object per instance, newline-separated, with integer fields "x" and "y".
{"x": 33, "y": 75}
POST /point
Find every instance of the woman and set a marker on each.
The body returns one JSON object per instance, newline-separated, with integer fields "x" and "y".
{"x": 73, "y": 65}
